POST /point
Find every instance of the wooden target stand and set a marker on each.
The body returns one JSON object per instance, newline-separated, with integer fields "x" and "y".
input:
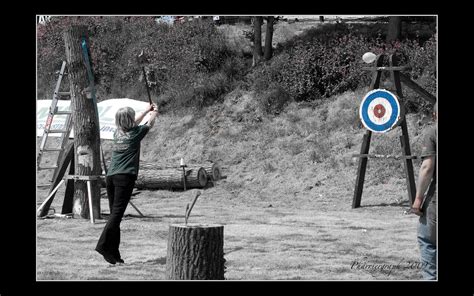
{"x": 396, "y": 78}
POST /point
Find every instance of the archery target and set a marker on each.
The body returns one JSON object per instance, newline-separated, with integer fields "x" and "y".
{"x": 380, "y": 110}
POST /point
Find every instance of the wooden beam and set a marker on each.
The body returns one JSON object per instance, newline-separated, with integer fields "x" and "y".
{"x": 418, "y": 89}
{"x": 409, "y": 173}
{"x": 361, "y": 170}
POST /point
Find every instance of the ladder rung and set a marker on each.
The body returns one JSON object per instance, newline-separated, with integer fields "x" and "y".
{"x": 62, "y": 112}
{"x": 64, "y": 93}
{"x": 53, "y": 131}
{"x": 52, "y": 149}
{"x": 44, "y": 185}
{"x": 47, "y": 168}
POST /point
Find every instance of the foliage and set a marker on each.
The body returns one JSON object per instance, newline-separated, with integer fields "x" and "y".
{"x": 327, "y": 61}
{"x": 177, "y": 58}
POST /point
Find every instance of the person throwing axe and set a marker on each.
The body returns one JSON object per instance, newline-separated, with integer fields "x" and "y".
{"x": 122, "y": 174}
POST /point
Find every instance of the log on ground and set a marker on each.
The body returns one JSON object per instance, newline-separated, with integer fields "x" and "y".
{"x": 171, "y": 178}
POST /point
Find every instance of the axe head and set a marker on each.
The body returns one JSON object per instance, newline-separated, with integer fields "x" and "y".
{"x": 141, "y": 57}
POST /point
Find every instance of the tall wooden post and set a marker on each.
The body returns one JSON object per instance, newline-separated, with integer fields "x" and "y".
{"x": 404, "y": 138}
{"x": 86, "y": 123}
{"x": 364, "y": 149}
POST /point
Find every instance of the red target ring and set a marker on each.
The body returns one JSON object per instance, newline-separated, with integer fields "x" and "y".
{"x": 379, "y": 111}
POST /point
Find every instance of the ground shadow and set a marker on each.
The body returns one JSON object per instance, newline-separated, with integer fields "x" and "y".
{"x": 233, "y": 250}
{"x": 160, "y": 261}
{"x": 393, "y": 204}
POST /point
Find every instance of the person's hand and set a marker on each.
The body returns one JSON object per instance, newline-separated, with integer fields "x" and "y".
{"x": 154, "y": 107}
{"x": 149, "y": 108}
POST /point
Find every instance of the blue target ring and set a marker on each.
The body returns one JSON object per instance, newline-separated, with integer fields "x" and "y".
{"x": 380, "y": 110}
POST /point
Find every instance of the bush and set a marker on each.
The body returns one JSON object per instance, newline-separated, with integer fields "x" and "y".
{"x": 327, "y": 61}
{"x": 177, "y": 58}
{"x": 274, "y": 99}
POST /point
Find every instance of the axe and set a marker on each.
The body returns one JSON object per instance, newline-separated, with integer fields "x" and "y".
{"x": 140, "y": 58}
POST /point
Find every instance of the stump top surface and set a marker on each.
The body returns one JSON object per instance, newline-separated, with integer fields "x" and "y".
{"x": 196, "y": 225}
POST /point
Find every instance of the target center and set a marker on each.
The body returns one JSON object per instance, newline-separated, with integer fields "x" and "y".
{"x": 379, "y": 111}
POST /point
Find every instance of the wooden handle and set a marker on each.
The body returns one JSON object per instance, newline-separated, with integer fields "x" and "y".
{"x": 188, "y": 212}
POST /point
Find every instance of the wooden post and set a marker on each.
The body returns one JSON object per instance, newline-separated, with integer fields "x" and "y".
{"x": 364, "y": 149}
{"x": 408, "y": 162}
{"x": 404, "y": 138}
{"x": 86, "y": 123}
{"x": 69, "y": 194}
{"x": 63, "y": 164}
{"x": 195, "y": 252}
{"x": 361, "y": 170}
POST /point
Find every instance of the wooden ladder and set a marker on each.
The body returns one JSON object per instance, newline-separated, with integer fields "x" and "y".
{"x": 53, "y": 110}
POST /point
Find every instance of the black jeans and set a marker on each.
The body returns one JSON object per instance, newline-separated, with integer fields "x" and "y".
{"x": 119, "y": 190}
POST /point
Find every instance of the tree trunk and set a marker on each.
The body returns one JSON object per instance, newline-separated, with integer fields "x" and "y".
{"x": 257, "y": 40}
{"x": 86, "y": 124}
{"x": 195, "y": 252}
{"x": 171, "y": 178}
{"x": 269, "y": 38}
{"x": 394, "y": 28}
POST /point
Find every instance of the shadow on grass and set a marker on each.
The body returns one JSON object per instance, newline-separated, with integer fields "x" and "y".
{"x": 105, "y": 216}
{"x": 393, "y": 204}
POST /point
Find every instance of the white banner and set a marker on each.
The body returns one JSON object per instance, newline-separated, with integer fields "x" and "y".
{"x": 106, "y": 110}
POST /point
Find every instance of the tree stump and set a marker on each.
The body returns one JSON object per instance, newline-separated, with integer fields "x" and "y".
{"x": 195, "y": 252}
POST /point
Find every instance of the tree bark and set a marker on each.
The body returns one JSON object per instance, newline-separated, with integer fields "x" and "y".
{"x": 269, "y": 38}
{"x": 195, "y": 252}
{"x": 213, "y": 170}
{"x": 86, "y": 124}
{"x": 257, "y": 40}
{"x": 171, "y": 178}
{"x": 394, "y": 28}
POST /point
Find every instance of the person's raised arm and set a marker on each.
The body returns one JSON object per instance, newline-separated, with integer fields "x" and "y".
{"x": 154, "y": 113}
{"x": 139, "y": 117}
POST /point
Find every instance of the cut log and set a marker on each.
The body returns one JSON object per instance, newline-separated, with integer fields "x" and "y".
{"x": 213, "y": 170}
{"x": 195, "y": 252}
{"x": 171, "y": 178}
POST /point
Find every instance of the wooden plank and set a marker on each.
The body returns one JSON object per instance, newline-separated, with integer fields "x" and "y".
{"x": 68, "y": 156}
{"x": 378, "y": 74}
{"x": 361, "y": 170}
{"x": 49, "y": 199}
{"x": 395, "y": 75}
{"x": 408, "y": 164}
{"x": 418, "y": 89}
{"x": 89, "y": 195}
{"x": 69, "y": 194}
{"x": 84, "y": 178}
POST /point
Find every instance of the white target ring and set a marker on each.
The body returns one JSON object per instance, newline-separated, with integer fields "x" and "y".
{"x": 380, "y": 111}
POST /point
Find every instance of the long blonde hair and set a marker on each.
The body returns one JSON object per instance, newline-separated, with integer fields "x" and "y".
{"x": 125, "y": 119}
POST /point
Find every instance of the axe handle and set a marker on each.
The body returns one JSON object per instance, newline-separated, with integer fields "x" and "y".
{"x": 192, "y": 205}
{"x": 147, "y": 86}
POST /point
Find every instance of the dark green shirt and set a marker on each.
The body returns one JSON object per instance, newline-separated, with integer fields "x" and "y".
{"x": 126, "y": 151}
